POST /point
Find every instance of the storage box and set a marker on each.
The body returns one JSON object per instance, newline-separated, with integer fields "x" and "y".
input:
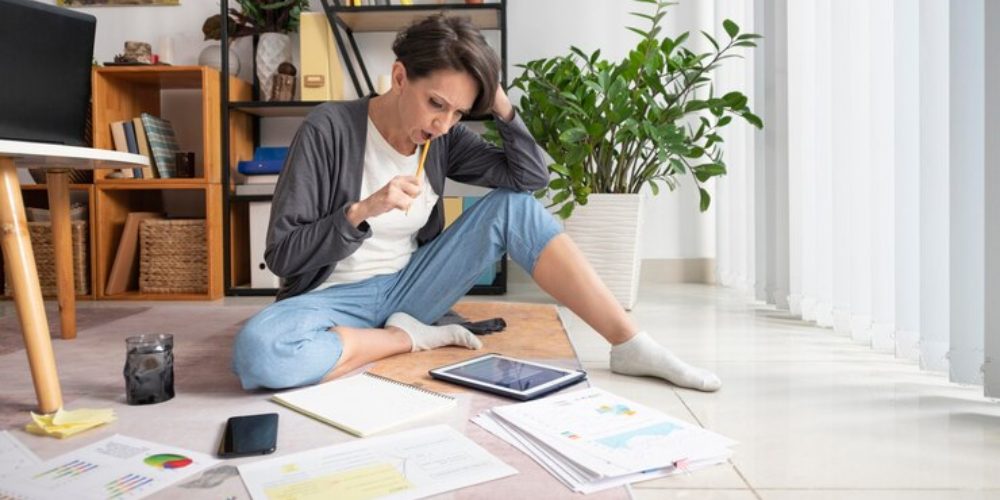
{"x": 173, "y": 256}
{"x": 45, "y": 259}
{"x": 260, "y": 275}
{"x": 76, "y": 212}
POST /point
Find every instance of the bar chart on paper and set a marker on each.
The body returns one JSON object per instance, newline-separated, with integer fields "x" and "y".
{"x": 115, "y": 468}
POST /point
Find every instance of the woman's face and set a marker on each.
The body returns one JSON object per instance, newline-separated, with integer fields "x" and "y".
{"x": 430, "y": 106}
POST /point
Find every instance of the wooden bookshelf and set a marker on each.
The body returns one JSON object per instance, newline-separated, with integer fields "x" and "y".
{"x": 125, "y": 92}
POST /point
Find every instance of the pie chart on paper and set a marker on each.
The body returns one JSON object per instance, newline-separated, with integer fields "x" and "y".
{"x": 168, "y": 461}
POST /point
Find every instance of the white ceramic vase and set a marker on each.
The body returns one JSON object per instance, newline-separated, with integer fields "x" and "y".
{"x": 608, "y": 229}
{"x": 272, "y": 50}
{"x": 211, "y": 56}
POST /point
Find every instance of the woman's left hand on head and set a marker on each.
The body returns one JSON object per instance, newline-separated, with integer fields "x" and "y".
{"x": 502, "y": 106}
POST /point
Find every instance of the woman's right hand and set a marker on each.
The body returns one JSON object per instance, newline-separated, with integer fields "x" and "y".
{"x": 397, "y": 194}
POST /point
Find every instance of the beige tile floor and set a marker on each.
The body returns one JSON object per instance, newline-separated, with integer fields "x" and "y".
{"x": 819, "y": 417}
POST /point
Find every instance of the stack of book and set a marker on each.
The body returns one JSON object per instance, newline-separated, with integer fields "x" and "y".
{"x": 592, "y": 440}
{"x": 260, "y": 175}
{"x": 152, "y": 137}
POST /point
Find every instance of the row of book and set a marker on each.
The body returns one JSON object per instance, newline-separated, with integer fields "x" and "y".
{"x": 152, "y": 137}
{"x": 372, "y": 3}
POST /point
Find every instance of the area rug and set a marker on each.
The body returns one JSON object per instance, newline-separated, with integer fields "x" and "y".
{"x": 90, "y": 369}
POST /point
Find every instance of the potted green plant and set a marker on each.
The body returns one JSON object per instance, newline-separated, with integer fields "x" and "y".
{"x": 272, "y": 20}
{"x": 613, "y": 128}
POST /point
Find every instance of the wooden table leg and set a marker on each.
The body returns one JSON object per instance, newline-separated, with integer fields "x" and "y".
{"x": 16, "y": 245}
{"x": 57, "y": 182}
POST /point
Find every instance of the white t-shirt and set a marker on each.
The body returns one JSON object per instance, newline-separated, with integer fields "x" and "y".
{"x": 394, "y": 233}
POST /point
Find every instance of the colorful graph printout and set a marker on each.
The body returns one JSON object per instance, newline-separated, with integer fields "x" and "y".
{"x": 126, "y": 484}
{"x": 115, "y": 468}
{"x": 168, "y": 461}
{"x": 610, "y": 435}
{"x": 70, "y": 470}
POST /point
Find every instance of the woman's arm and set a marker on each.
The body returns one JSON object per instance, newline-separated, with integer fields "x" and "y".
{"x": 519, "y": 165}
{"x": 307, "y": 231}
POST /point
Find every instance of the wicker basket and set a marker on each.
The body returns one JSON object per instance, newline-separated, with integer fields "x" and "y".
{"x": 173, "y": 256}
{"x": 45, "y": 259}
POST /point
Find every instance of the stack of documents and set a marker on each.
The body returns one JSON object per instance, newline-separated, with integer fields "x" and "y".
{"x": 66, "y": 423}
{"x": 592, "y": 440}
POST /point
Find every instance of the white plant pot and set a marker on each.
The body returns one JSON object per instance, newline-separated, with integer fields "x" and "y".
{"x": 211, "y": 56}
{"x": 272, "y": 50}
{"x": 608, "y": 229}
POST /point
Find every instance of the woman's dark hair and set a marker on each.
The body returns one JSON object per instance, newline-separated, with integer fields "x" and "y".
{"x": 440, "y": 42}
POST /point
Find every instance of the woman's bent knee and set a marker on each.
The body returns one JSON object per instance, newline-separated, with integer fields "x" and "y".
{"x": 278, "y": 353}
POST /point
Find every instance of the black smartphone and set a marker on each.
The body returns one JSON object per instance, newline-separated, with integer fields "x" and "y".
{"x": 250, "y": 435}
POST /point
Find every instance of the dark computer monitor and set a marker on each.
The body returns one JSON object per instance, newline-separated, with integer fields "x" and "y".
{"x": 45, "y": 59}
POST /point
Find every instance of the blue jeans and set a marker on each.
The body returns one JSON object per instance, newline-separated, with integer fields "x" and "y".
{"x": 290, "y": 344}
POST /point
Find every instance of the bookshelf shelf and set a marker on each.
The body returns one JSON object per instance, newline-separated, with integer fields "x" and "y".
{"x": 250, "y": 197}
{"x": 393, "y": 18}
{"x": 149, "y": 183}
{"x": 270, "y": 109}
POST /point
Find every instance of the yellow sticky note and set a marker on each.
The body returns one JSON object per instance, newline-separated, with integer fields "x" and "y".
{"x": 65, "y": 423}
{"x": 82, "y": 416}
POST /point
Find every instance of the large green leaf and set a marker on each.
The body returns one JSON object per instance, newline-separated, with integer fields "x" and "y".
{"x": 731, "y": 28}
{"x": 574, "y": 134}
{"x": 706, "y": 199}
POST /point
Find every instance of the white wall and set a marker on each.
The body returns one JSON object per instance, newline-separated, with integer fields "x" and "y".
{"x": 676, "y": 228}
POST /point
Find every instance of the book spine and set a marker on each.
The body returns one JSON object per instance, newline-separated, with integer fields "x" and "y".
{"x": 133, "y": 145}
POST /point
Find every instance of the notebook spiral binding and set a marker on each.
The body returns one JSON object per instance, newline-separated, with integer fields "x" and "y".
{"x": 404, "y": 384}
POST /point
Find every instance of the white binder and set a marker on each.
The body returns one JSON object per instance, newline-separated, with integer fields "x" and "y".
{"x": 260, "y": 275}
{"x": 322, "y": 78}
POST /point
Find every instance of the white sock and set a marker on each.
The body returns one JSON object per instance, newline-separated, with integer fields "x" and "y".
{"x": 644, "y": 356}
{"x": 426, "y": 337}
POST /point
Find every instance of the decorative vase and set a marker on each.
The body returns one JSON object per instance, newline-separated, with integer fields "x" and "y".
{"x": 607, "y": 230}
{"x": 211, "y": 56}
{"x": 272, "y": 50}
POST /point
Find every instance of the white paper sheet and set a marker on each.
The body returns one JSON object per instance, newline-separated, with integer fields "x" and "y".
{"x": 570, "y": 475}
{"x": 116, "y": 468}
{"x": 593, "y": 440}
{"x": 611, "y": 435}
{"x": 403, "y": 466}
{"x": 14, "y": 455}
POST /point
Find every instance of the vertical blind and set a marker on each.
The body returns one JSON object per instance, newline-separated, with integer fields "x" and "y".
{"x": 862, "y": 204}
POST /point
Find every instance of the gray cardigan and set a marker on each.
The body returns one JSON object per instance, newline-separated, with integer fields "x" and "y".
{"x": 309, "y": 232}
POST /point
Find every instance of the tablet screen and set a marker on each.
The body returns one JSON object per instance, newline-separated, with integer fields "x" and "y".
{"x": 506, "y": 373}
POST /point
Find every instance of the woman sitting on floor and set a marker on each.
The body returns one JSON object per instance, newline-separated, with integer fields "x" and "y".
{"x": 356, "y": 235}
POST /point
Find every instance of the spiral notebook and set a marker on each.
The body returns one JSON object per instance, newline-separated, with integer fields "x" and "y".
{"x": 365, "y": 404}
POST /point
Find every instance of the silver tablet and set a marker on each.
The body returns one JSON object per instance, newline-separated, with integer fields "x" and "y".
{"x": 508, "y": 377}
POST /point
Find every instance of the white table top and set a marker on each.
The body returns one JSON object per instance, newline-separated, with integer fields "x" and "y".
{"x": 54, "y": 156}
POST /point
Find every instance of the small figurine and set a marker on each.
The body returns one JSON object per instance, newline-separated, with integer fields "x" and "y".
{"x": 140, "y": 52}
{"x": 283, "y": 83}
